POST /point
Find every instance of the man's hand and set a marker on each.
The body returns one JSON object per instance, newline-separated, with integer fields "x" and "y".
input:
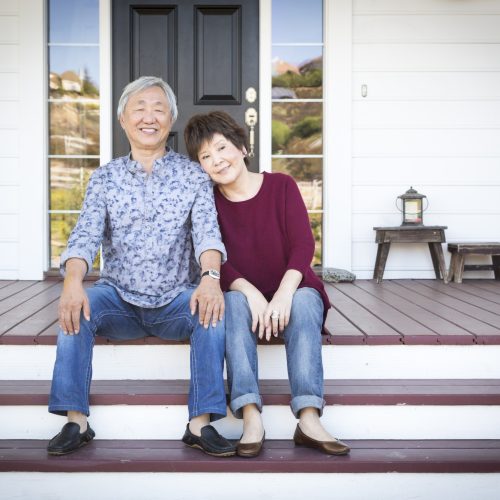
{"x": 209, "y": 299}
{"x": 73, "y": 297}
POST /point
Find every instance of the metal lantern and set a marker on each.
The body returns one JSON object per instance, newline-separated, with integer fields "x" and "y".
{"x": 412, "y": 207}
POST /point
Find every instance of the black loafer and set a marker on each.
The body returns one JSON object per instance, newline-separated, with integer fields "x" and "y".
{"x": 70, "y": 439}
{"x": 210, "y": 441}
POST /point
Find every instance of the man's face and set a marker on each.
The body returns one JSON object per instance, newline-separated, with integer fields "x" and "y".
{"x": 146, "y": 119}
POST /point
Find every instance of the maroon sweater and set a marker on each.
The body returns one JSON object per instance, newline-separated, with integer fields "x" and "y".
{"x": 267, "y": 235}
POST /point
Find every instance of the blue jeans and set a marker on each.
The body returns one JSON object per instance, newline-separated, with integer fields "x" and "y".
{"x": 303, "y": 352}
{"x": 112, "y": 317}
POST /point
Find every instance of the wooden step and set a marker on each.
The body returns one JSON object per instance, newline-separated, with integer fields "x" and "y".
{"x": 368, "y": 456}
{"x": 274, "y": 392}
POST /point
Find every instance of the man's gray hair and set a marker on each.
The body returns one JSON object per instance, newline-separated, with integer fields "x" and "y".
{"x": 143, "y": 83}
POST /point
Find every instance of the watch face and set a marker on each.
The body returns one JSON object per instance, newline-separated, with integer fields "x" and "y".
{"x": 214, "y": 274}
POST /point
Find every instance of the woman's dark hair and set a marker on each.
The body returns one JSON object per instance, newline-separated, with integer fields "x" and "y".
{"x": 202, "y": 128}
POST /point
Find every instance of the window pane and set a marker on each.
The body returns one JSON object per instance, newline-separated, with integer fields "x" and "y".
{"x": 297, "y": 72}
{"x": 61, "y": 226}
{"x": 74, "y": 21}
{"x": 60, "y": 229}
{"x": 297, "y": 128}
{"x": 68, "y": 182}
{"x": 74, "y": 72}
{"x": 74, "y": 128}
{"x": 297, "y": 21}
{"x": 317, "y": 229}
{"x": 308, "y": 173}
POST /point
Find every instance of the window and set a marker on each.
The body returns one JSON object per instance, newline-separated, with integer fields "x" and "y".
{"x": 297, "y": 102}
{"x": 73, "y": 105}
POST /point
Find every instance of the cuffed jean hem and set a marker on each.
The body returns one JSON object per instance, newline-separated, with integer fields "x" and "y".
{"x": 241, "y": 401}
{"x": 215, "y": 413}
{"x": 62, "y": 410}
{"x": 300, "y": 402}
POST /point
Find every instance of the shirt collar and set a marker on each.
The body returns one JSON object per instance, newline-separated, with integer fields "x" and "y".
{"x": 135, "y": 167}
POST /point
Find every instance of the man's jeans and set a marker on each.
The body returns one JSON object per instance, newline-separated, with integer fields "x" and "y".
{"x": 112, "y": 317}
{"x": 303, "y": 352}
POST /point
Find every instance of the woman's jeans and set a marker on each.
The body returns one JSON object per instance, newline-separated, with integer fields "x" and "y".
{"x": 112, "y": 317}
{"x": 303, "y": 352}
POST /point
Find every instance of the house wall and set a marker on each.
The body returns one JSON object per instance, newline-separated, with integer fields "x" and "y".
{"x": 431, "y": 119}
{"x": 22, "y": 139}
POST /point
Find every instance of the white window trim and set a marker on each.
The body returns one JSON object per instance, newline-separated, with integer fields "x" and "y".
{"x": 337, "y": 147}
{"x": 107, "y": 114}
{"x": 265, "y": 98}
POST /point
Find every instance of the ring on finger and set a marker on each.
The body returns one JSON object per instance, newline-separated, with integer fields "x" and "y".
{"x": 275, "y": 314}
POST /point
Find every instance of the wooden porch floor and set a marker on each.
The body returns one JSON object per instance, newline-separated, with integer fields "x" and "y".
{"x": 418, "y": 312}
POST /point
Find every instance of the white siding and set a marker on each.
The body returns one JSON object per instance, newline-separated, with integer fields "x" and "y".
{"x": 22, "y": 139}
{"x": 9, "y": 137}
{"x": 431, "y": 119}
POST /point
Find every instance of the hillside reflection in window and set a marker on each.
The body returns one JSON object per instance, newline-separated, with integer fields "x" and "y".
{"x": 74, "y": 113}
{"x": 297, "y": 102}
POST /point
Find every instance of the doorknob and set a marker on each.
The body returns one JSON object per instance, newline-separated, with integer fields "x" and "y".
{"x": 251, "y": 121}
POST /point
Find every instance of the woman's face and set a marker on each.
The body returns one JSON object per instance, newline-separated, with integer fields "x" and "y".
{"x": 221, "y": 159}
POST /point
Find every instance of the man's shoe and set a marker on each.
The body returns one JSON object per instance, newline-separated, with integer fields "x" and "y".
{"x": 70, "y": 439}
{"x": 250, "y": 450}
{"x": 335, "y": 447}
{"x": 210, "y": 441}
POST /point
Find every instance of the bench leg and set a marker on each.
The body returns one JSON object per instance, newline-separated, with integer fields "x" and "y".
{"x": 459, "y": 268}
{"x": 495, "y": 259}
{"x": 451, "y": 270}
{"x": 438, "y": 261}
{"x": 382, "y": 253}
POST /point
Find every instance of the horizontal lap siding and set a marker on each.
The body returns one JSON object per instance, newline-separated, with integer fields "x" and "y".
{"x": 430, "y": 119}
{"x": 9, "y": 140}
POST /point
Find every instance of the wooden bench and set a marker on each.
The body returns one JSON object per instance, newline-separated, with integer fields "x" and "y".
{"x": 460, "y": 250}
{"x": 432, "y": 235}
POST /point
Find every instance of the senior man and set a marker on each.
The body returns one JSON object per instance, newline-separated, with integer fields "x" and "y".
{"x": 153, "y": 212}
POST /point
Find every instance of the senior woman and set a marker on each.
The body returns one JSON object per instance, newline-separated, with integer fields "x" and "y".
{"x": 271, "y": 286}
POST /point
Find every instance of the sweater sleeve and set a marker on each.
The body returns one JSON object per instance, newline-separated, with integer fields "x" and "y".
{"x": 300, "y": 237}
{"x": 228, "y": 274}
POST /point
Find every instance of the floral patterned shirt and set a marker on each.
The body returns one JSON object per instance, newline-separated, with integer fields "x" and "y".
{"x": 153, "y": 228}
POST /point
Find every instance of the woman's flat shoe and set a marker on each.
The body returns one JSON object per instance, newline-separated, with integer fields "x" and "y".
{"x": 250, "y": 450}
{"x": 335, "y": 447}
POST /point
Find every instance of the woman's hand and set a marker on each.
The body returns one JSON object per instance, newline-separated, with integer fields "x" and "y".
{"x": 282, "y": 304}
{"x": 258, "y": 305}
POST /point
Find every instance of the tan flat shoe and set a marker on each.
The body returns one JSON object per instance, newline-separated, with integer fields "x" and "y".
{"x": 335, "y": 447}
{"x": 250, "y": 450}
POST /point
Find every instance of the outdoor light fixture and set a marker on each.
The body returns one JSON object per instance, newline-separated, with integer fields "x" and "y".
{"x": 412, "y": 210}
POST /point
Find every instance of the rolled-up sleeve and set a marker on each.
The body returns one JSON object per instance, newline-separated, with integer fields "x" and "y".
{"x": 205, "y": 229}
{"x": 88, "y": 232}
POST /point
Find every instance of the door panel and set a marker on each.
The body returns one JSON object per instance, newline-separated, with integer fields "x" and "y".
{"x": 206, "y": 50}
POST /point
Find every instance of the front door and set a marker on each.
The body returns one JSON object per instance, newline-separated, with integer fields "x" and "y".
{"x": 207, "y": 51}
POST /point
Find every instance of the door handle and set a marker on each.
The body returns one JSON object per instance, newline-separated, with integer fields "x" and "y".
{"x": 251, "y": 121}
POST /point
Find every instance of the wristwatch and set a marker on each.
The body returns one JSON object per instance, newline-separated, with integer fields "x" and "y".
{"x": 212, "y": 273}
